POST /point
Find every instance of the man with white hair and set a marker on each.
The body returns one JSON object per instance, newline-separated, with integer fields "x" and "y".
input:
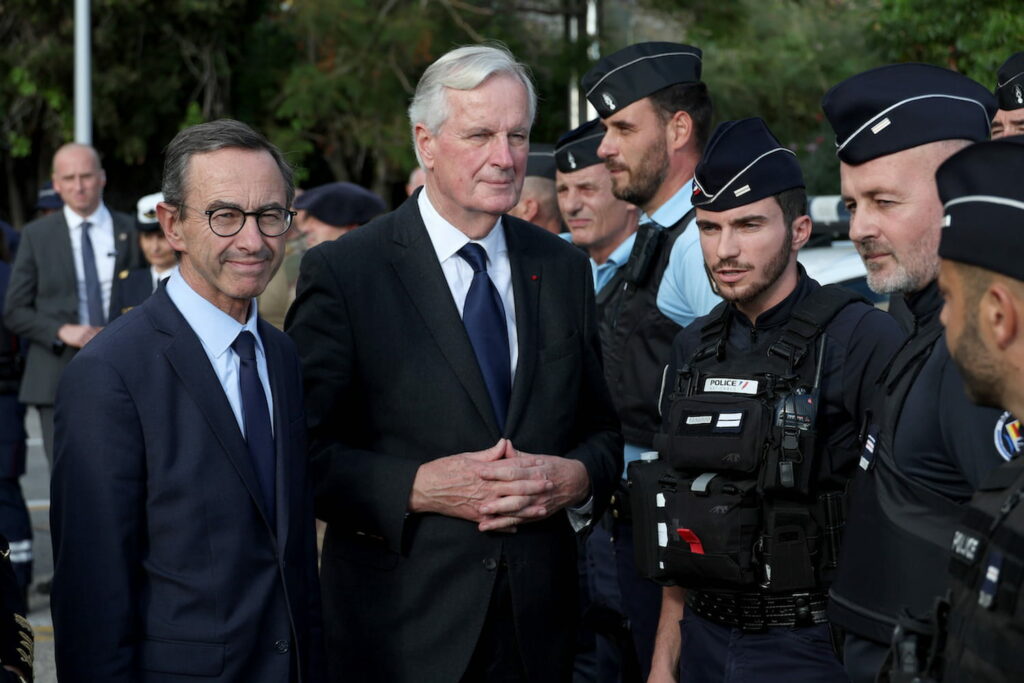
{"x": 461, "y": 431}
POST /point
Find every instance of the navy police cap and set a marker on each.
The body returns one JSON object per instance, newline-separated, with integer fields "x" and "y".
{"x": 634, "y": 72}
{"x": 743, "y": 163}
{"x": 541, "y": 161}
{"x": 1010, "y": 83}
{"x": 577, "y": 149}
{"x": 896, "y": 107}
{"x": 340, "y": 204}
{"x": 48, "y": 198}
{"x": 983, "y": 198}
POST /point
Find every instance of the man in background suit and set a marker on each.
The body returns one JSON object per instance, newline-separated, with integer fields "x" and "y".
{"x": 461, "y": 429}
{"x": 63, "y": 277}
{"x": 182, "y": 517}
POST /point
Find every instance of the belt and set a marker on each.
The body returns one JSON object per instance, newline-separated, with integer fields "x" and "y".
{"x": 757, "y": 611}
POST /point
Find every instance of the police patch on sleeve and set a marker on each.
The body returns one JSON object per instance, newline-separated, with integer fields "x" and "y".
{"x": 1008, "y": 436}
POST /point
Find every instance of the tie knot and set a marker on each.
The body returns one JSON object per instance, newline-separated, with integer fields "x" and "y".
{"x": 475, "y": 256}
{"x": 86, "y": 225}
{"x": 245, "y": 345}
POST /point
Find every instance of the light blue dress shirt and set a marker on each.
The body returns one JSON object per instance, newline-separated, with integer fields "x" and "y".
{"x": 685, "y": 293}
{"x": 604, "y": 272}
{"x": 217, "y": 331}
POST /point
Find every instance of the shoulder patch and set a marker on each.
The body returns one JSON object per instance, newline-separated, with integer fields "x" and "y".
{"x": 1007, "y": 436}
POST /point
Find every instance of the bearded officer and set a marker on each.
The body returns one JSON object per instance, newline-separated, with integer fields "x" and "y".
{"x": 927, "y": 446}
{"x": 753, "y": 602}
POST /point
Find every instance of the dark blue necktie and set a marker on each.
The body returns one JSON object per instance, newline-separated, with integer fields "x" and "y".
{"x": 93, "y": 293}
{"x": 256, "y": 417}
{"x": 484, "y": 317}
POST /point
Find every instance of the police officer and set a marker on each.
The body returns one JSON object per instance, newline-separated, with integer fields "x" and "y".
{"x": 927, "y": 446}
{"x": 1009, "y": 119}
{"x": 657, "y": 117}
{"x": 537, "y": 202}
{"x": 623, "y": 608}
{"x": 763, "y": 401}
{"x": 138, "y": 284}
{"x": 329, "y": 211}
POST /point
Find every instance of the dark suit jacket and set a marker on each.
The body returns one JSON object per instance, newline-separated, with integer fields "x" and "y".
{"x": 392, "y": 382}
{"x": 164, "y": 563}
{"x": 43, "y": 296}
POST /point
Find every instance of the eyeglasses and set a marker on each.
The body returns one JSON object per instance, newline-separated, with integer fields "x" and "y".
{"x": 228, "y": 221}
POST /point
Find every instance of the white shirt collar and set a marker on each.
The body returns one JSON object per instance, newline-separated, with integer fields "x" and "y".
{"x": 447, "y": 239}
{"x": 100, "y": 215}
{"x": 216, "y": 329}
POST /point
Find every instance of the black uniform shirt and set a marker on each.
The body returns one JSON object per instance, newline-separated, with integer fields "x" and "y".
{"x": 942, "y": 439}
{"x": 861, "y": 341}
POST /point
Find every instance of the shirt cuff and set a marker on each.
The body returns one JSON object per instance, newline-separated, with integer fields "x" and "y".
{"x": 580, "y": 516}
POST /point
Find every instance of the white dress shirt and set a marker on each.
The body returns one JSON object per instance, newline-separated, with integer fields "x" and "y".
{"x": 101, "y": 234}
{"x": 217, "y": 331}
{"x": 447, "y": 240}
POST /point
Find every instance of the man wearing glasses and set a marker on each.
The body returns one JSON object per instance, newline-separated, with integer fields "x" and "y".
{"x": 181, "y": 514}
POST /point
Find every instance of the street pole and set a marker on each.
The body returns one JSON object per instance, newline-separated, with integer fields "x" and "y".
{"x": 83, "y": 73}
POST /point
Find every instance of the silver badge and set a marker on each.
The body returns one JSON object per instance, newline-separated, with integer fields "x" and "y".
{"x": 1018, "y": 93}
{"x": 572, "y": 161}
{"x": 609, "y": 101}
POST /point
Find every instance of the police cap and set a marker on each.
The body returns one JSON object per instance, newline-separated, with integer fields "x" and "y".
{"x": 48, "y": 198}
{"x": 577, "y": 149}
{"x": 340, "y": 204}
{"x": 541, "y": 161}
{"x": 983, "y": 198}
{"x": 896, "y": 107}
{"x": 634, "y": 72}
{"x": 145, "y": 212}
{"x": 743, "y": 163}
{"x": 1010, "y": 83}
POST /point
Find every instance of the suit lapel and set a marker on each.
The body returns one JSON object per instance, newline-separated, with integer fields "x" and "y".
{"x": 276, "y": 367}
{"x": 62, "y": 257}
{"x": 420, "y": 272}
{"x": 186, "y": 355}
{"x": 526, "y": 282}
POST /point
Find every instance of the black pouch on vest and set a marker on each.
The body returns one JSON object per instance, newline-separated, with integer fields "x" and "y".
{"x": 713, "y": 525}
{"x": 651, "y": 485}
{"x": 714, "y": 433}
{"x": 791, "y": 544}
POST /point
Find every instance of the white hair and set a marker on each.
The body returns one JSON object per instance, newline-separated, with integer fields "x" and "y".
{"x": 463, "y": 68}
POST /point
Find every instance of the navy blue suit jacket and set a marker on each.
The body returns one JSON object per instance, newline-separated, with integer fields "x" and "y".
{"x": 165, "y": 566}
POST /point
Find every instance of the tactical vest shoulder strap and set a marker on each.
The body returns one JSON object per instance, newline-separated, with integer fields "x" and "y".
{"x": 650, "y": 238}
{"x": 714, "y": 334}
{"x": 808, "y": 321}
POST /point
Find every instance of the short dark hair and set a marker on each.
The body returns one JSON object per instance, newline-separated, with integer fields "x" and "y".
{"x": 210, "y": 137}
{"x": 694, "y": 99}
{"x": 793, "y": 203}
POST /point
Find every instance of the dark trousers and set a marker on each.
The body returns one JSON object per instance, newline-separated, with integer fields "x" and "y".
{"x": 718, "y": 654}
{"x": 497, "y": 658}
{"x": 624, "y": 607}
{"x": 46, "y": 427}
{"x": 863, "y": 658}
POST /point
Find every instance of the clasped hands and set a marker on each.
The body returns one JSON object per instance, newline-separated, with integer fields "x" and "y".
{"x": 500, "y": 487}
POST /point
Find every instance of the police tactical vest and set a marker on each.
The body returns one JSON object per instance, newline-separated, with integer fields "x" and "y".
{"x": 897, "y": 527}
{"x": 636, "y": 337}
{"x": 985, "y": 639}
{"x": 736, "y": 500}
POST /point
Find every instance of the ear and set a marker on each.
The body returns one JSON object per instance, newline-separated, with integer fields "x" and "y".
{"x": 802, "y": 228}
{"x": 679, "y": 131}
{"x": 169, "y": 218}
{"x": 997, "y": 312}
{"x": 424, "y": 139}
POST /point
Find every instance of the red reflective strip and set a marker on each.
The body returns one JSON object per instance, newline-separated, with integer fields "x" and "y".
{"x": 692, "y": 539}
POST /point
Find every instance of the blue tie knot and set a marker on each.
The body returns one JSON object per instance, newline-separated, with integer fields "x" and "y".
{"x": 245, "y": 345}
{"x": 86, "y": 225}
{"x": 475, "y": 256}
